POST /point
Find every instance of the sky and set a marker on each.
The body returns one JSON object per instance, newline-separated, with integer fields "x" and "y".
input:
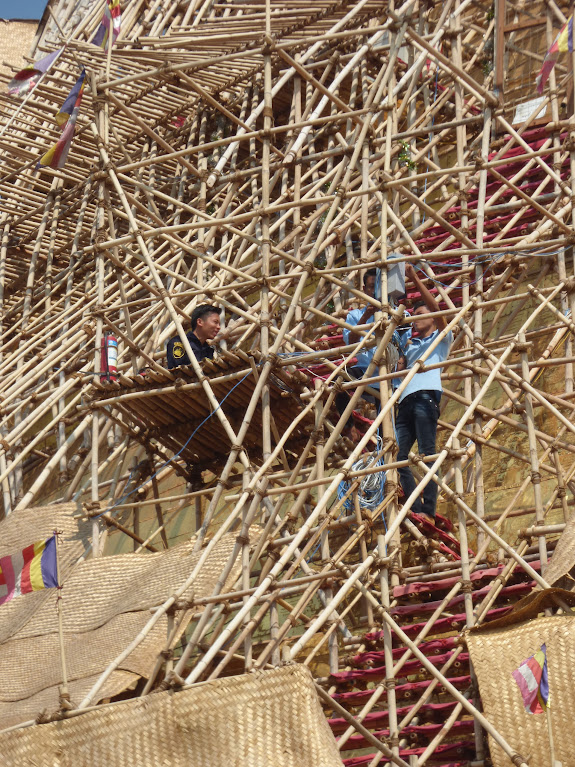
{"x": 21, "y": 9}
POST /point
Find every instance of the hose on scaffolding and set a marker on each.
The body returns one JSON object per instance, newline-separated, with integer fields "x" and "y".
{"x": 371, "y": 490}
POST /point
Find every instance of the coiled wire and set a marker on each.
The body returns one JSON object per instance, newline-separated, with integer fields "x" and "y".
{"x": 371, "y": 490}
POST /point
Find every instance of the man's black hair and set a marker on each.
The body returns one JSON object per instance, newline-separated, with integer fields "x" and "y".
{"x": 417, "y": 304}
{"x": 369, "y": 273}
{"x": 202, "y": 311}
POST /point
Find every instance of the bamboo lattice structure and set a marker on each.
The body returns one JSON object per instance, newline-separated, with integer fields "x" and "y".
{"x": 261, "y": 156}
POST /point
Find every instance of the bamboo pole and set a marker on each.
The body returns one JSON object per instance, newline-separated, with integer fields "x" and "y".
{"x": 202, "y": 171}
{"x": 64, "y": 694}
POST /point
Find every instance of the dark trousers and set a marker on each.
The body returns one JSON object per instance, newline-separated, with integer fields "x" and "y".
{"x": 416, "y": 419}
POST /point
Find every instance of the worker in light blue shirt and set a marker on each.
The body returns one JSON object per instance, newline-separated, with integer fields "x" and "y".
{"x": 361, "y": 316}
{"x": 364, "y": 316}
{"x": 418, "y": 409}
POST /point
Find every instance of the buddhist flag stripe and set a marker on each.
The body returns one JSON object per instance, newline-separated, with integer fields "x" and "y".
{"x": 532, "y": 680}
{"x": 26, "y": 79}
{"x": 57, "y": 155}
{"x": 32, "y": 569}
{"x": 563, "y": 43}
{"x": 112, "y": 18}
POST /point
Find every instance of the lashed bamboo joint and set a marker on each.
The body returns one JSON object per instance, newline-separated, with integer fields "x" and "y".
{"x": 264, "y": 157}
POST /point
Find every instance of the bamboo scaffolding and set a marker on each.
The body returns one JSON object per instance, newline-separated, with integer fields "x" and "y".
{"x": 262, "y": 158}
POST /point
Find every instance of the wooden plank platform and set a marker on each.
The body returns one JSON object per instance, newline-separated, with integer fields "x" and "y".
{"x": 174, "y": 409}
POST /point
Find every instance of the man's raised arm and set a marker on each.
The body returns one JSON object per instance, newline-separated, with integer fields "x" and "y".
{"x": 429, "y": 300}
{"x": 363, "y": 320}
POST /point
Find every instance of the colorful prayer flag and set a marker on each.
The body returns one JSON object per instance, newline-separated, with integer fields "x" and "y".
{"x": 112, "y": 17}
{"x": 57, "y": 155}
{"x": 563, "y": 43}
{"x": 26, "y": 79}
{"x": 31, "y": 569}
{"x": 533, "y": 681}
{"x": 72, "y": 102}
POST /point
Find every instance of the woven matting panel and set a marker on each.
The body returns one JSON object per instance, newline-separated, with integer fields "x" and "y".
{"x": 28, "y": 526}
{"x": 563, "y": 559}
{"x": 37, "y": 659}
{"x": 495, "y": 654}
{"x": 265, "y": 719}
{"x": 99, "y": 589}
{"x": 47, "y": 701}
{"x": 105, "y": 606}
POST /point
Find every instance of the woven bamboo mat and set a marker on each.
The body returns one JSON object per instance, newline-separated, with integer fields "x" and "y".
{"x": 98, "y": 589}
{"x": 264, "y": 719}
{"x": 106, "y": 603}
{"x": 46, "y": 701}
{"x": 28, "y": 526}
{"x": 495, "y": 654}
{"x": 37, "y": 659}
{"x": 563, "y": 559}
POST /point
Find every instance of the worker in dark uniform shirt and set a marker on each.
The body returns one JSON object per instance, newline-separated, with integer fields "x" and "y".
{"x": 205, "y": 323}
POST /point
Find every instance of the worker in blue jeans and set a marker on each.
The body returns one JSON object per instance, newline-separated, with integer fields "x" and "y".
{"x": 418, "y": 408}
